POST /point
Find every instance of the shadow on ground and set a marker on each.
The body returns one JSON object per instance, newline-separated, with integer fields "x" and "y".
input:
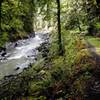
{"x": 93, "y": 85}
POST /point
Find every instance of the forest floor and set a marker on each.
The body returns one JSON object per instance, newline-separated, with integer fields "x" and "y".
{"x": 57, "y": 79}
{"x": 93, "y": 46}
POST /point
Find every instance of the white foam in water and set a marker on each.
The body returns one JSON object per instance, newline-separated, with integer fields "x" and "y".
{"x": 21, "y": 55}
{"x": 24, "y": 65}
{"x": 23, "y": 50}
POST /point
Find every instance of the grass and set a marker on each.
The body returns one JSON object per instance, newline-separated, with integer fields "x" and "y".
{"x": 95, "y": 41}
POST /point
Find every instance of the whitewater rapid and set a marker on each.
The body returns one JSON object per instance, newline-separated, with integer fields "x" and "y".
{"x": 21, "y": 55}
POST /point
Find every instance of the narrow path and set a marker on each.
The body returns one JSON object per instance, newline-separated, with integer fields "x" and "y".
{"x": 93, "y": 87}
{"x": 95, "y": 51}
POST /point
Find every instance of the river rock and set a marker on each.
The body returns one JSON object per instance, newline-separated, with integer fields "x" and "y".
{"x": 17, "y": 68}
{"x": 3, "y": 54}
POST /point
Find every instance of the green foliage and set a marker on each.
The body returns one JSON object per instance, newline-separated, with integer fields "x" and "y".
{"x": 51, "y": 76}
{"x": 93, "y": 40}
{"x": 97, "y": 25}
{"x": 4, "y": 37}
{"x": 16, "y": 17}
{"x": 10, "y": 12}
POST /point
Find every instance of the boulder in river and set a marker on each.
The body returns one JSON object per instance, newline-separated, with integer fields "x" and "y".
{"x": 17, "y": 68}
{"x": 2, "y": 49}
{"x": 3, "y": 54}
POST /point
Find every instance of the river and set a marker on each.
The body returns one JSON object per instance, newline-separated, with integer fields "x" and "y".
{"x": 20, "y": 55}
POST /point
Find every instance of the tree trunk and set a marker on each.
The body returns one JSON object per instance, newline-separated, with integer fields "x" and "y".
{"x": 59, "y": 28}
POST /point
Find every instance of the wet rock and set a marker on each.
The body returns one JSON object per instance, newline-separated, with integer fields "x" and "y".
{"x": 44, "y": 49}
{"x": 30, "y": 65}
{"x": 16, "y": 44}
{"x": 35, "y": 58}
{"x": 25, "y": 68}
{"x": 2, "y": 49}
{"x": 32, "y": 34}
{"x": 3, "y": 54}
{"x": 17, "y": 68}
{"x": 8, "y": 77}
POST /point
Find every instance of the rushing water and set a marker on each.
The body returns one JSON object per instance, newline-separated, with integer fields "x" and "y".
{"x": 20, "y": 56}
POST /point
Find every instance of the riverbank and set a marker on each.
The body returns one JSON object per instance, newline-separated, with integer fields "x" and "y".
{"x": 55, "y": 77}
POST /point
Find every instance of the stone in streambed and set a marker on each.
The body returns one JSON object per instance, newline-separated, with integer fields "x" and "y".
{"x": 17, "y": 68}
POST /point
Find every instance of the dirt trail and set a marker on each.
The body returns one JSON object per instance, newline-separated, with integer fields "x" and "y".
{"x": 93, "y": 87}
{"x": 95, "y": 51}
